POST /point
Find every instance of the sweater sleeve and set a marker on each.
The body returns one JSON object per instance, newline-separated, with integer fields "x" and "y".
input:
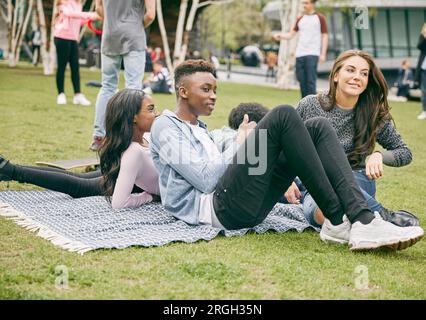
{"x": 129, "y": 168}
{"x": 397, "y": 153}
{"x": 303, "y": 107}
{"x": 84, "y": 16}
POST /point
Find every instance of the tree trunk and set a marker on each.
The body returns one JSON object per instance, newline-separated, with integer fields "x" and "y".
{"x": 19, "y": 29}
{"x": 163, "y": 32}
{"x": 286, "y": 57}
{"x": 48, "y": 66}
{"x": 179, "y": 31}
{"x": 9, "y": 28}
{"x": 188, "y": 28}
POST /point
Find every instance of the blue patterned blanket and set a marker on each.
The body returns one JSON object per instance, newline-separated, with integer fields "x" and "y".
{"x": 85, "y": 224}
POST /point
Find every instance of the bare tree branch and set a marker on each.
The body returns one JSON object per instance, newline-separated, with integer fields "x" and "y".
{"x": 164, "y": 37}
{"x": 206, "y": 3}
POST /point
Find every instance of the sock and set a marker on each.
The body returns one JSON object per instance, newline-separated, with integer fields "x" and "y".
{"x": 336, "y": 220}
{"x": 365, "y": 217}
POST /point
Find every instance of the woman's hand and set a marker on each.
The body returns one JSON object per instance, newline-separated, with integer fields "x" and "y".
{"x": 374, "y": 166}
{"x": 293, "y": 194}
{"x": 244, "y": 129}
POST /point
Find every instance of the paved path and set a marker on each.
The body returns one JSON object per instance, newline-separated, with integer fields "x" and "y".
{"x": 257, "y": 76}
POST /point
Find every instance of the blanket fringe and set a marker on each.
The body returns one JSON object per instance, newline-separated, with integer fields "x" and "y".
{"x": 44, "y": 232}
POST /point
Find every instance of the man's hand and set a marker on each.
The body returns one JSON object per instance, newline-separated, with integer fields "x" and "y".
{"x": 293, "y": 194}
{"x": 244, "y": 129}
{"x": 374, "y": 166}
{"x": 322, "y": 58}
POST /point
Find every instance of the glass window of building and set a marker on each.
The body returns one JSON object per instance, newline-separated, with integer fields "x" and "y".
{"x": 398, "y": 33}
{"x": 363, "y": 39}
{"x": 381, "y": 34}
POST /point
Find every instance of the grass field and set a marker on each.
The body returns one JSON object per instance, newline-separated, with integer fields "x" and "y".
{"x": 269, "y": 266}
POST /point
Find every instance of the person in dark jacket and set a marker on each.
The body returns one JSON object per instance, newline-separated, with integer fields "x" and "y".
{"x": 405, "y": 81}
{"x": 420, "y": 77}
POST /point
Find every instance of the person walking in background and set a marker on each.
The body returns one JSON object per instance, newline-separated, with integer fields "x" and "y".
{"x": 69, "y": 19}
{"x": 311, "y": 47}
{"x": 421, "y": 71}
{"x": 405, "y": 81}
{"x": 35, "y": 44}
{"x": 123, "y": 40}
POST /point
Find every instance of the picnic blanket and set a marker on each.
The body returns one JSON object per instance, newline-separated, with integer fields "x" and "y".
{"x": 85, "y": 224}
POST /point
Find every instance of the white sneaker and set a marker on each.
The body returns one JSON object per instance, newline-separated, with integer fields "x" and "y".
{"x": 61, "y": 99}
{"x": 81, "y": 99}
{"x": 336, "y": 234}
{"x": 422, "y": 116}
{"x": 379, "y": 233}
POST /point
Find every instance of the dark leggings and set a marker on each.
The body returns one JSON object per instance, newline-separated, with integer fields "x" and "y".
{"x": 77, "y": 185}
{"x": 67, "y": 51}
{"x": 309, "y": 150}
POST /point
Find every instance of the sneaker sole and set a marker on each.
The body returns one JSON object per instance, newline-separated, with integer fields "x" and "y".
{"x": 393, "y": 245}
{"x": 329, "y": 239}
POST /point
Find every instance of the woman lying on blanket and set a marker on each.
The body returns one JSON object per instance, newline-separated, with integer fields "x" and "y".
{"x": 125, "y": 158}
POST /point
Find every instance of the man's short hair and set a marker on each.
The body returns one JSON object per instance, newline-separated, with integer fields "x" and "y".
{"x": 255, "y": 112}
{"x": 189, "y": 67}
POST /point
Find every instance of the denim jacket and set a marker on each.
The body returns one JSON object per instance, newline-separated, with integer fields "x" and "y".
{"x": 184, "y": 168}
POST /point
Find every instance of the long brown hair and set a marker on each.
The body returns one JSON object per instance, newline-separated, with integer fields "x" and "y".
{"x": 371, "y": 110}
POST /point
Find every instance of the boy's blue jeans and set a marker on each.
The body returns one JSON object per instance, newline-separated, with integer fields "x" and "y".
{"x": 134, "y": 68}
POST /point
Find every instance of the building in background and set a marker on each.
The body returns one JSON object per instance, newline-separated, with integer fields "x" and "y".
{"x": 390, "y": 35}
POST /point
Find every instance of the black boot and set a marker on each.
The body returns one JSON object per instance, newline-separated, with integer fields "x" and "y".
{"x": 3, "y": 175}
{"x": 400, "y": 218}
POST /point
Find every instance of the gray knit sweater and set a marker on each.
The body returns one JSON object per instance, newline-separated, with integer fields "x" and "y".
{"x": 397, "y": 153}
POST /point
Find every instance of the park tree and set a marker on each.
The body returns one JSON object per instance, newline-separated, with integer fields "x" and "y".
{"x": 17, "y": 14}
{"x": 47, "y": 49}
{"x": 234, "y": 25}
{"x": 289, "y": 10}
{"x": 188, "y": 11}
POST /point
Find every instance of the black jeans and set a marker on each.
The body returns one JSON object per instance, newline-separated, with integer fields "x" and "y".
{"x": 67, "y": 51}
{"x": 309, "y": 150}
{"x": 306, "y": 74}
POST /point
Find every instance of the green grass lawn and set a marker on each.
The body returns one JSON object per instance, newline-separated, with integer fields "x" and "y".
{"x": 269, "y": 266}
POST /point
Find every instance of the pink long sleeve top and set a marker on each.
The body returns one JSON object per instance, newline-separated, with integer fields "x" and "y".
{"x": 136, "y": 168}
{"x": 71, "y": 18}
